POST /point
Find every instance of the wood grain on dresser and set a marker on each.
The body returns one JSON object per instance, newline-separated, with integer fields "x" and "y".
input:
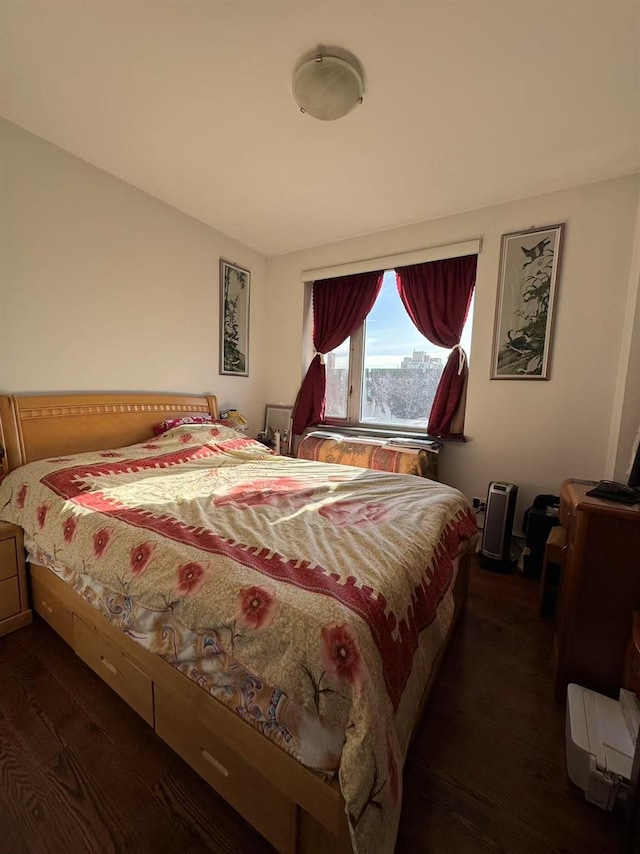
{"x": 14, "y": 599}
{"x": 600, "y": 588}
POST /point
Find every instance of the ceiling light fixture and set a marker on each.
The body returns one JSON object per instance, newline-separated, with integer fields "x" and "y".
{"x": 327, "y": 87}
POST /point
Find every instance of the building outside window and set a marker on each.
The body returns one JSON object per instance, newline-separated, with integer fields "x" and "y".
{"x": 387, "y": 373}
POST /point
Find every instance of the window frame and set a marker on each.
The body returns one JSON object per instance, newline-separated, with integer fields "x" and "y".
{"x": 308, "y": 276}
{"x": 354, "y": 393}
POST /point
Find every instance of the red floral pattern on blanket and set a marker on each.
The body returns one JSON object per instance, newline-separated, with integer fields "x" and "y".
{"x": 257, "y": 607}
{"x": 43, "y": 509}
{"x": 272, "y": 491}
{"x": 139, "y": 557}
{"x": 101, "y": 541}
{"x": 69, "y": 528}
{"x": 22, "y": 496}
{"x": 353, "y": 513}
{"x": 200, "y": 656}
{"x": 191, "y": 577}
{"x": 341, "y": 656}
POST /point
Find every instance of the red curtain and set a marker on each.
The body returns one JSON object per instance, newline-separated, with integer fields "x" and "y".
{"x": 339, "y": 307}
{"x": 437, "y": 296}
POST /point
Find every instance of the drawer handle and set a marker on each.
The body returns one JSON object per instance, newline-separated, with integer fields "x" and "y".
{"x": 217, "y": 765}
{"x": 46, "y": 607}
{"x": 108, "y": 665}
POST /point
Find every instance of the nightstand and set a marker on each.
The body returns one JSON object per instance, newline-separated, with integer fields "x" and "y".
{"x": 14, "y": 602}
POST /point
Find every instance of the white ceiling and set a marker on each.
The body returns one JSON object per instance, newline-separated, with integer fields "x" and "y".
{"x": 467, "y": 104}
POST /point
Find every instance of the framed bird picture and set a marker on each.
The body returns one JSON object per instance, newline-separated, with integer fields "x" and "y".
{"x": 527, "y": 285}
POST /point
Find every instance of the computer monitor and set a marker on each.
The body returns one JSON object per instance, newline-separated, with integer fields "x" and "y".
{"x": 614, "y": 491}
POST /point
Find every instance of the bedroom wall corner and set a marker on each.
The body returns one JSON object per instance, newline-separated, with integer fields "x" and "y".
{"x": 534, "y": 434}
{"x": 625, "y": 421}
{"x": 104, "y": 287}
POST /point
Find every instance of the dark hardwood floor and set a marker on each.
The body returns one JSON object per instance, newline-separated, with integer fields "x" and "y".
{"x": 79, "y": 771}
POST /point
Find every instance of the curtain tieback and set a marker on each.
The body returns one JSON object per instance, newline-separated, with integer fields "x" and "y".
{"x": 462, "y": 357}
{"x": 323, "y": 358}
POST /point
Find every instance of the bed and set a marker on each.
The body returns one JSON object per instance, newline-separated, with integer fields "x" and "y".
{"x": 278, "y": 622}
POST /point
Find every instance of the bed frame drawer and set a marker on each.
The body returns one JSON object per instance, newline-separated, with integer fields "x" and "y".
{"x": 8, "y": 559}
{"x": 51, "y": 609}
{"x": 9, "y": 598}
{"x": 269, "y": 811}
{"x": 115, "y": 668}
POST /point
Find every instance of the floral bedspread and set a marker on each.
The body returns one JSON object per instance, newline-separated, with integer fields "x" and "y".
{"x": 332, "y": 583}
{"x": 201, "y": 655}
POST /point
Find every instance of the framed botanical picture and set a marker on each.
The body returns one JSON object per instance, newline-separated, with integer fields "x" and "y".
{"x": 527, "y": 284}
{"x": 235, "y": 285}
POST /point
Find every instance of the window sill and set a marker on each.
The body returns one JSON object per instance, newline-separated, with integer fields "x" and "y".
{"x": 381, "y": 433}
{"x": 398, "y": 438}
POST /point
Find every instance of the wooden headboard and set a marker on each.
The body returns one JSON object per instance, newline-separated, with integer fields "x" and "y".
{"x": 33, "y": 427}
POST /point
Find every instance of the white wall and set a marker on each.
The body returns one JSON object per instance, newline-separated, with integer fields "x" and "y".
{"x": 105, "y": 288}
{"x": 534, "y": 434}
{"x": 626, "y": 419}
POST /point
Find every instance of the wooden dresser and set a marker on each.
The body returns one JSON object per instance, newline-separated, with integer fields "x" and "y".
{"x": 599, "y": 589}
{"x": 14, "y": 602}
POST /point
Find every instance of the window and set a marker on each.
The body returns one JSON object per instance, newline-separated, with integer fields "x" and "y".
{"x": 387, "y": 373}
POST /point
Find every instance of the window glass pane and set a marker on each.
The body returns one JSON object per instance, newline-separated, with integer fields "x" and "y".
{"x": 337, "y": 366}
{"x": 402, "y": 369}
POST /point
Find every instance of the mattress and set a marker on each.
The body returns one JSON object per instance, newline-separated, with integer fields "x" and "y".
{"x": 324, "y": 589}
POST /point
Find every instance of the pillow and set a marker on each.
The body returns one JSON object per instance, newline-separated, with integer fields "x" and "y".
{"x": 170, "y": 423}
